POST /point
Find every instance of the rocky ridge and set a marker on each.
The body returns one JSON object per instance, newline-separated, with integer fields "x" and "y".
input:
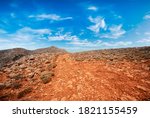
{"x": 11, "y": 55}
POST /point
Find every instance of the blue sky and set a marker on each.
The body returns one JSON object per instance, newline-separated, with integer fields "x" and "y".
{"x": 74, "y": 25}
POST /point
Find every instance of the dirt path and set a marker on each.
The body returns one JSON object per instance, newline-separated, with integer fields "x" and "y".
{"x": 90, "y": 80}
{"x": 98, "y": 80}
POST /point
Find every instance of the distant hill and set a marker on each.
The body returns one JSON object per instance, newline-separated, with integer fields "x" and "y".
{"x": 9, "y": 55}
{"x": 51, "y": 49}
{"x": 136, "y": 53}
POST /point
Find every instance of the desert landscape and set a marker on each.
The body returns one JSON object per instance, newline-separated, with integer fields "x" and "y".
{"x": 53, "y": 74}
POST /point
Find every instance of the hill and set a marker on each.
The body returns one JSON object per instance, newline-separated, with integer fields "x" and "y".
{"x": 131, "y": 54}
{"x": 114, "y": 74}
{"x": 10, "y": 55}
{"x": 51, "y": 49}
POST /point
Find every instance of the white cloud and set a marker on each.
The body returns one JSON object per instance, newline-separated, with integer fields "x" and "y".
{"x": 71, "y": 39}
{"x": 27, "y": 30}
{"x": 60, "y": 35}
{"x": 147, "y": 33}
{"x": 52, "y": 17}
{"x": 99, "y": 23}
{"x": 147, "y": 16}
{"x": 26, "y": 34}
{"x": 76, "y": 41}
{"x": 117, "y": 44}
{"x": 116, "y": 32}
{"x": 99, "y": 43}
{"x": 93, "y": 8}
{"x": 102, "y": 30}
{"x": 84, "y": 42}
{"x": 63, "y": 37}
{"x": 12, "y": 44}
{"x": 145, "y": 40}
{"x": 25, "y": 37}
{"x": 3, "y": 40}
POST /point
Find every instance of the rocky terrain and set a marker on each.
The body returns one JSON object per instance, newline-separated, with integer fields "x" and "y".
{"x": 11, "y": 55}
{"x": 54, "y": 74}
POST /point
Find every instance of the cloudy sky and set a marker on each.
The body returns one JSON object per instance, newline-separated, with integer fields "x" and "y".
{"x": 74, "y": 25}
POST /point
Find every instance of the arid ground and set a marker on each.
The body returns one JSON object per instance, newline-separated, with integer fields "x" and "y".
{"x": 53, "y": 74}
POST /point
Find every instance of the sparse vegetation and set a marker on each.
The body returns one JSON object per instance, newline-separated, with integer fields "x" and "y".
{"x": 5, "y": 96}
{"x": 47, "y": 77}
{"x": 15, "y": 85}
{"x": 88, "y": 72}
{"x": 114, "y": 54}
{"x": 24, "y": 92}
{"x": 147, "y": 99}
{"x": 2, "y": 86}
{"x": 17, "y": 77}
{"x": 16, "y": 57}
{"x": 54, "y": 65}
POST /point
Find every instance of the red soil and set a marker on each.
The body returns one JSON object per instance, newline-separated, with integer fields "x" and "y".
{"x": 88, "y": 80}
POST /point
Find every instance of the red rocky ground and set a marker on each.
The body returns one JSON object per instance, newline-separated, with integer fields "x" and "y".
{"x": 104, "y": 75}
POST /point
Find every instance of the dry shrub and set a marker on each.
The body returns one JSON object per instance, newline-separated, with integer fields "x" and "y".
{"x": 24, "y": 92}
